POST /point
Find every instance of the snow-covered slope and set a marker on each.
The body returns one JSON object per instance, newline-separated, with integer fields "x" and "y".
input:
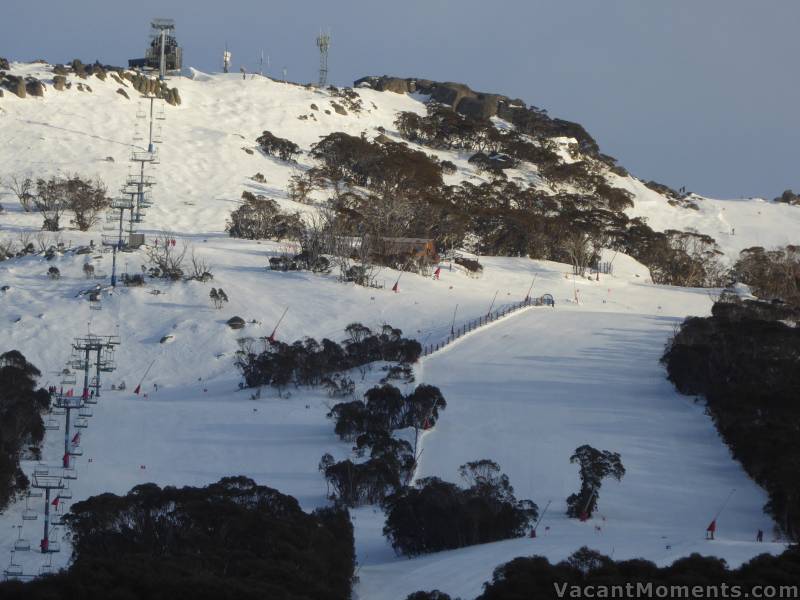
{"x": 204, "y": 167}
{"x": 524, "y": 391}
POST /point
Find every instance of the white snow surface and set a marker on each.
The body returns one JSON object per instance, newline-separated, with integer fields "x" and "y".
{"x": 524, "y": 391}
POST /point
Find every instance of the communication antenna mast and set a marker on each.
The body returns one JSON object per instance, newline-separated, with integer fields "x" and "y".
{"x": 323, "y": 43}
{"x": 226, "y": 59}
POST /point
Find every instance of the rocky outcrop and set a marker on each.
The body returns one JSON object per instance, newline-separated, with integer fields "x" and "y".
{"x": 479, "y": 105}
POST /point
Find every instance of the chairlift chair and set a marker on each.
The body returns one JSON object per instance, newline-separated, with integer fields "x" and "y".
{"x": 21, "y": 544}
{"x": 69, "y": 473}
{"x": 12, "y": 570}
{"x": 34, "y": 493}
{"x": 81, "y": 423}
{"x": 29, "y": 514}
{"x": 65, "y": 494}
{"x": 85, "y": 411}
{"x": 53, "y": 546}
{"x": 51, "y": 424}
{"x": 76, "y": 451}
{"x": 41, "y": 469}
{"x": 57, "y": 411}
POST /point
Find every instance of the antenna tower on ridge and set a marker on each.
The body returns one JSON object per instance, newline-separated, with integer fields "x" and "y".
{"x": 323, "y": 43}
{"x": 226, "y": 59}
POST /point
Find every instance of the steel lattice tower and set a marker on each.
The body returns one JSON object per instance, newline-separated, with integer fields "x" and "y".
{"x": 323, "y": 43}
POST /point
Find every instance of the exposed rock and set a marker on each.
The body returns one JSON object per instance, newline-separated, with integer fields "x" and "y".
{"x": 314, "y": 107}
{"x": 176, "y": 96}
{"x": 338, "y": 108}
{"x": 21, "y": 88}
{"x": 35, "y": 88}
{"x": 236, "y": 323}
{"x": 4, "y": 66}
{"x": 59, "y": 82}
{"x": 387, "y": 84}
{"x": 493, "y": 161}
{"x": 482, "y": 106}
{"x": 122, "y": 92}
{"x": 60, "y": 70}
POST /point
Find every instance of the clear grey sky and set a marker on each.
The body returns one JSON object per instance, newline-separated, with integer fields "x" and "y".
{"x": 701, "y": 93}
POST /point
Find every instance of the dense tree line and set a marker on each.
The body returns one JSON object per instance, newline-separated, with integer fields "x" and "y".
{"x": 387, "y": 190}
{"x": 232, "y": 539}
{"x": 770, "y": 273}
{"x": 435, "y": 515}
{"x": 21, "y": 425}
{"x": 745, "y": 360}
{"x": 309, "y": 362}
{"x": 535, "y": 577}
{"x": 384, "y": 189}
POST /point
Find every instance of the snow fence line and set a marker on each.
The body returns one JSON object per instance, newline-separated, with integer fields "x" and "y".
{"x": 459, "y": 332}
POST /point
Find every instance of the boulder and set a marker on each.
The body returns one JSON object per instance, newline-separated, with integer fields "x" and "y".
{"x": 481, "y": 106}
{"x": 338, "y": 108}
{"x": 122, "y": 92}
{"x": 236, "y": 323}
{"x": 59, "y": 82}
{"x": 4, "y": 66}
{"x": 35, "y": 87}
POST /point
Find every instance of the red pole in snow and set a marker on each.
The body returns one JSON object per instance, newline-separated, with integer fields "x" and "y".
{"x": 712, "y": 527}
{"x": 271, "y": 338}
{"x": 138, "y": 388}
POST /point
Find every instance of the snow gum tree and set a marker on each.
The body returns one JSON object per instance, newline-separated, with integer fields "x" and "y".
{"x": 595, "y": 465}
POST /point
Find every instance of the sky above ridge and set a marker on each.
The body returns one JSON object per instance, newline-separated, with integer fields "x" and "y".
{"x": 697, "y": 94}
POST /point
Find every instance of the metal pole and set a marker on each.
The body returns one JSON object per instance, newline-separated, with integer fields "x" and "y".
{"x": 46, "y": 539}
{"x": 86, "y": 374}
{"x": 491, "y": 306}
{"x": 97, "y": 371}
{"x": 453, "y": 324}
{"x": 162, "y": 64}
{"x": 66, "y": 437}
{"x": 528, "y": 295}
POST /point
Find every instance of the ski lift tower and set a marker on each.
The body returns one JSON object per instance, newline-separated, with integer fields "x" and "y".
{"x": 163, "y": 53}
{"x": 97, "y": 347}
{"x": 140, "y": 182}
{"x": 323, "y": 43}
{"x": 226, "y": 60}
{"x": 47, "y": 483}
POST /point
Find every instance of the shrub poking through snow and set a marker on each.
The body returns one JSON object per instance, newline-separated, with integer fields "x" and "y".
{"x": 281, "y": 148}
{"x": 260, "y": 218}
